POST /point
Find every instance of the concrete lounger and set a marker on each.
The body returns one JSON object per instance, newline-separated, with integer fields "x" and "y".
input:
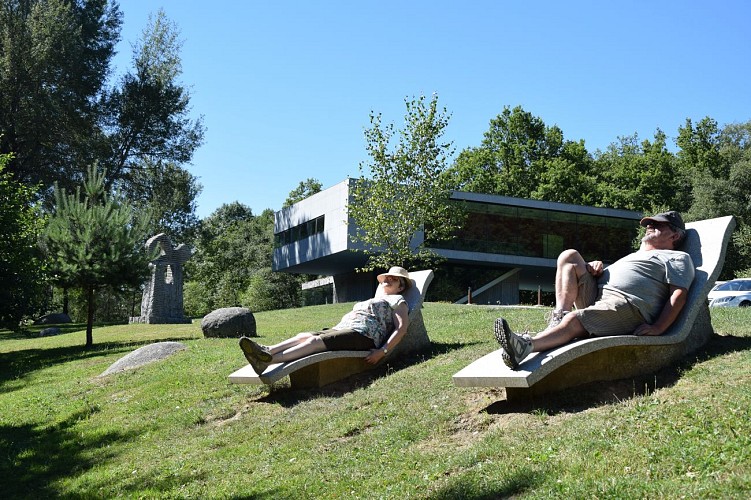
{"x": 623, "y": 356}
{"x": 324, "y": 368}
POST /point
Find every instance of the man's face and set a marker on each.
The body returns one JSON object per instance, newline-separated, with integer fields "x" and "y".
{"x": 659, "y": 235}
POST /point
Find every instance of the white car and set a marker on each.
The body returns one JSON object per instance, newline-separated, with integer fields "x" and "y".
{"x": 733, "y": 293}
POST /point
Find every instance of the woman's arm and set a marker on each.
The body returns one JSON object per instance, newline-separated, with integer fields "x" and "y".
{"x": 401, "y": 323}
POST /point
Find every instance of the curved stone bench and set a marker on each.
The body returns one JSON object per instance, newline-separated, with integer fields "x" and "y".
{"x": 326, "y": 367}
{"x": 622, "y": 356}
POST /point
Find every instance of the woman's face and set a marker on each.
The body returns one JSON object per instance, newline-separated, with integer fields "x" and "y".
{"x": 392, "y": 285}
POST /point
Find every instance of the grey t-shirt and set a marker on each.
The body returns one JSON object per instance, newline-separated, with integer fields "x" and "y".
{"x": 644, "y": 278}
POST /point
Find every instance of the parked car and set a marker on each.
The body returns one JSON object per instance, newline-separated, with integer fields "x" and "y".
{"x": 733, "y": 293}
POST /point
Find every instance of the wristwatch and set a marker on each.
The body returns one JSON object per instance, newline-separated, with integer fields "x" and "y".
{"x": 385, "y": 351}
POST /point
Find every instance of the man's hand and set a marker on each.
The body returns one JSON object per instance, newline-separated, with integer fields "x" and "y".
{"x": 670, "y": 311}
{"x": 595, "y": 268}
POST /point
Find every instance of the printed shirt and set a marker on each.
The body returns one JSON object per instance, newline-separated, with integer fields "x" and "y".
{"x": 373, "y": 318}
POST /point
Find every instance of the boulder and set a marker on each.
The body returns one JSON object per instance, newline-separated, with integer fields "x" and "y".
{"x": 229, "y": 322}
{"x": 144, "y": 355}
{"x": 50, "y": 331}
{"x": 53, "y": 319}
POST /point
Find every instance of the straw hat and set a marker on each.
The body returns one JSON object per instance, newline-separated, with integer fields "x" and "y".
{"x": 397, "y": 272}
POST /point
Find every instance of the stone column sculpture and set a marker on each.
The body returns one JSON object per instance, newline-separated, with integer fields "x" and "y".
{"x": 163, "y": 293}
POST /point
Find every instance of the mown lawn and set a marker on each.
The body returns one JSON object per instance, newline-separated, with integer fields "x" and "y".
{"x": 177, "y": 429}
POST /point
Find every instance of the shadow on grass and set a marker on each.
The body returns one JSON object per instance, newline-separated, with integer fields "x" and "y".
{"x": 287, "y": 397}
{"x": 32, "y": 331}
{"x": 36, "y": 456}
{"x": 594, "y": 394}
{"x": 16, "y": 365}
{"x": 471, "y": 489}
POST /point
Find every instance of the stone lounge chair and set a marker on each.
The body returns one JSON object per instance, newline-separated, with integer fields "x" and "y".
{"x": 324, "y": 368}
{"x": 623, "y": 356}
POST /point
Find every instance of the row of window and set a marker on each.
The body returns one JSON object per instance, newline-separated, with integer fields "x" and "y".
{"x": 533, "y": 232}
{"x": 299, "y": 232}
{"x": 528, "y": 232}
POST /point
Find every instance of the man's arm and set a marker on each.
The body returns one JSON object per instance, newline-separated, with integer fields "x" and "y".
{"x": 670, "y": 311}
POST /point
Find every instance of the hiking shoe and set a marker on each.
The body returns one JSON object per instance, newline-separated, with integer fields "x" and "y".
{"x": 257, "y": 355}
{"x": 515, "y": 347}
{"x": 554, "y": 317}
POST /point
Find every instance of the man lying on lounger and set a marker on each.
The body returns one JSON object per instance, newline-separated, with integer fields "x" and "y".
{"x": 640, "y": 294}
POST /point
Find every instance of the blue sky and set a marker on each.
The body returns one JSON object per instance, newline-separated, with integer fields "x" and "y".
{"x": 286, "y": 88}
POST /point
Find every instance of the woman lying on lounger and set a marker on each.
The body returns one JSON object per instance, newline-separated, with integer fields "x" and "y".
{"x": 377, "y": 324}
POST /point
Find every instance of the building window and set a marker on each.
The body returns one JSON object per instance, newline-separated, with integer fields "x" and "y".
{"x": 531, "y": 232}
{"x": 300, "y": 232}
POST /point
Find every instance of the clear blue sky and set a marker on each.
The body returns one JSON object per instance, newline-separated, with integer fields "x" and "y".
{"x": 286, "y": 88}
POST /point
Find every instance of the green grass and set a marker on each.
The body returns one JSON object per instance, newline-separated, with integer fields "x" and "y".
{"x": 177, "y": 429}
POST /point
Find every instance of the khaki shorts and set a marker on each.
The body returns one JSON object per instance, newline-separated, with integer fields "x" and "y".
{"x": 604, "y": 312}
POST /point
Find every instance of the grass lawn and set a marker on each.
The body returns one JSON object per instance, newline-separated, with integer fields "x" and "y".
{"x": 177, "y": 429}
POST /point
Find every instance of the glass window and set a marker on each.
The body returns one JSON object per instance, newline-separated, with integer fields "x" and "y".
{"x": 535, "y": 232}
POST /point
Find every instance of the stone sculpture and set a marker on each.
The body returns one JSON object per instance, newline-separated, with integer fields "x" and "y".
{"x": 163, "y": 293}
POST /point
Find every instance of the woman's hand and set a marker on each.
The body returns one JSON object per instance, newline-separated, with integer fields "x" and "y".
{"x": 375, "y": 356}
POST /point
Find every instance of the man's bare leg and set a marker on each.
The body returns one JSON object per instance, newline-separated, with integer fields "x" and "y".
{"x": 569, "y": 329}
{"x": 569, "y": 268}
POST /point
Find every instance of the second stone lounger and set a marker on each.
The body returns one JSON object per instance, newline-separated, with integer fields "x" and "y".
{"x": 622, "y": 356}
{"x": 326, "y": 367}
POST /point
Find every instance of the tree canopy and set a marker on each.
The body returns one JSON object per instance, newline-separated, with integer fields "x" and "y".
{"x": 21, "y": 264}
{"x": 54, "y": 62}
{"x": 403, "y": 190}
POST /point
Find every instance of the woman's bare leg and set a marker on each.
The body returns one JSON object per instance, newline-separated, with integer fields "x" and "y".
{"x": 299, "y": 346}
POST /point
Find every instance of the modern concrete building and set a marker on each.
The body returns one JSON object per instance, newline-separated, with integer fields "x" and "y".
{"x": 514, "y": 240}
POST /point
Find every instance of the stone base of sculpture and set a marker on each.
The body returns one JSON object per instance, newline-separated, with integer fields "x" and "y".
{"x": 158, "y": 320}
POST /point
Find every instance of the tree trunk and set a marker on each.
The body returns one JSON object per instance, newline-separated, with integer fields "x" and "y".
{"x": 90, "y": 316}
{"x": 65, "y": 300}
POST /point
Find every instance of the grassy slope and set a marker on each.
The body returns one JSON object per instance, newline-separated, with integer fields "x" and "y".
{"x": 176, "y": 428}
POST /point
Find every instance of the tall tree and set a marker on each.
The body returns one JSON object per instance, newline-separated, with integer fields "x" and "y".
{"x": 167, "y": 194}
{"x": 639, "y": 175}
{"x": 21, "y": 266}
{"x": 521, "y": 156}
{"x": 54, "y": 59}
{"x": 568, "y": 177}
{"x": 718, "y": 161}
{"x": 94, "y": 240}
{"x": 402, "y": 189}
{"x": 147, "y": 117}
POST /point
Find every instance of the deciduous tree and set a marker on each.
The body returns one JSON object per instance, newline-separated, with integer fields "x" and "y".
{"x": 21, "y": 265}
{"x": 306, "y": 188}
{"x": 403, "y": 190}
{"x": 639, "y": 175}
{"x": 511, "y": 157}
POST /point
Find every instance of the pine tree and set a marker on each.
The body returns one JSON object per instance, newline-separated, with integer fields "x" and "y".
{"x": 95, "y": 240}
